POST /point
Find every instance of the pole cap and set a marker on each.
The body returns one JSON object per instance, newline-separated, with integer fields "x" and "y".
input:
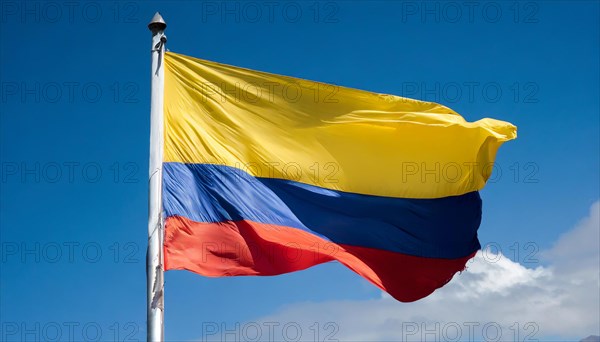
{"x": 157, "y": 23}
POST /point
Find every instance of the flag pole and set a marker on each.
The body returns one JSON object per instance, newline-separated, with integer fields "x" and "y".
{"x": 154, "y": 256}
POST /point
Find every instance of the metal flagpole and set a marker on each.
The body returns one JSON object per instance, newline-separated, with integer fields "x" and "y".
{"x": 154, "y": 256}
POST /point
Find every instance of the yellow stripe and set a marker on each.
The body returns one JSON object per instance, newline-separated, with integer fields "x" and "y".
{"x": 325, "y": 135}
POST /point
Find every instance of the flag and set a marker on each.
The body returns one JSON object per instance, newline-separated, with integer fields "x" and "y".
{"x": 266, "y": 174}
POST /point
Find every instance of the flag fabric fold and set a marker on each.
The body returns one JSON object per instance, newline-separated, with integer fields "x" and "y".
{"x": 266, "y": 174}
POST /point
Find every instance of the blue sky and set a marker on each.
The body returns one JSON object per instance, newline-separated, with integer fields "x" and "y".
{"x": 74, "y": 153}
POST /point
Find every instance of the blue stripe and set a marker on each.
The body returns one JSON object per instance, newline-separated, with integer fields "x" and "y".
{"x": 435, "y": 228}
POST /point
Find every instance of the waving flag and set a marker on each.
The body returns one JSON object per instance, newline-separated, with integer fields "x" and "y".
{"x": 266, "y": 174}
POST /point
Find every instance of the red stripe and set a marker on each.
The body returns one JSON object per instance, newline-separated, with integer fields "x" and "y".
{"x": 236, "y": 248}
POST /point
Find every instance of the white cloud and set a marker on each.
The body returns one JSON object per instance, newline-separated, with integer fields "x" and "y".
{"x": 494, "y": 299}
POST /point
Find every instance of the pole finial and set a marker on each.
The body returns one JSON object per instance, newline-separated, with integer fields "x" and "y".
{"x": 157, "y": 23}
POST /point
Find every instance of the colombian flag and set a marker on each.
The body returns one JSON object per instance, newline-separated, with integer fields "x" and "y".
{"x": 266, "y": 174}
